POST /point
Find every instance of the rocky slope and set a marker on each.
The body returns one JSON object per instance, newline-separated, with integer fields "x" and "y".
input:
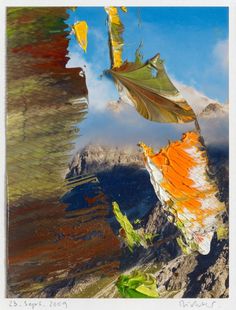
{"x": 97, "y": 158}
{"x": 194, "y": 276}
{"x": 177, "y": 275}
{"x": 197, "y": 275}
{"x": 122, "y": 176}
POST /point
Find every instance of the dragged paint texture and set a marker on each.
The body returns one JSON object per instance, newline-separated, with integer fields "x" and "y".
{"x": 43, "y": 108}
{"x": 66, "y": 234}
{"x": 115, "y": 28}
{"x": 147, "y": 87}
{"x": 180, "y": 178}
{"x": 51, "y": 241}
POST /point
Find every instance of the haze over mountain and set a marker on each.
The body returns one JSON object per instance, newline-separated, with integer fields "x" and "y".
{"x": 118, "y": 124}
{"x": 197, "y": 100}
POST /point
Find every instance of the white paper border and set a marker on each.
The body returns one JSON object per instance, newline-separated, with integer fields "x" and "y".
{"x": 149, "y": 304}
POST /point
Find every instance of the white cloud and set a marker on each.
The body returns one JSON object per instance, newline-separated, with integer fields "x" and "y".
{"x": 127, "y": 127}
{"x": 197, "y": 100}
{"x": 221, "y": 54}
{"x": 101, "y": 89}
{"x": 215, "y": 130}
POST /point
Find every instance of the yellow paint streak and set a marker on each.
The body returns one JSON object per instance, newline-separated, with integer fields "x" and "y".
{"x": 115, "y": 30}
{"x": 113, "y": 15}
{"x": 124, "y": 9}
{"x": 81, "y": 33}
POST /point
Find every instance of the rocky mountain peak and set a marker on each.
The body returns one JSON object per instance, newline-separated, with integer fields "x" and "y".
{"x": 94, "y": 158}
{"x": 214, "y": 109}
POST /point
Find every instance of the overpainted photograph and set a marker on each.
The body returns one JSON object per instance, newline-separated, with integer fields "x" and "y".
{"x": 117, "y": 152}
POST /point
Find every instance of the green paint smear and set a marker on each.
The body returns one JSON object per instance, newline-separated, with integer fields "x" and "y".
{"x": 137, "y": 285}
{"x": 42, "y": 121}
{"x": 40, "y": 23}
{"x": 153, "y": 94}
{"x": 222, "y": 232}
{"x": 19, "y": 89}
{"x": 131, "y": 236}
{"x": 39, "y": 145}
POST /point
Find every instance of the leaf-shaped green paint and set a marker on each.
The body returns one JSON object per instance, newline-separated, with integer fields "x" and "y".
{"x": 131, "y": 236}
{"x": 137, "y": 285}
{"x": 148, "y": 88}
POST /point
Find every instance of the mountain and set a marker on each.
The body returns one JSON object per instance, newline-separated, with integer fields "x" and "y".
{"x": 214, "y": 110}
{"x": 96, "y": 158}
{"x": 122, "y": 177}
{"x": 202, "y": 105}
{"x": 197, "y": 100}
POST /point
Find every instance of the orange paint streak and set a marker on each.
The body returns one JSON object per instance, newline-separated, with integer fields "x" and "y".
{"x": 175, "y": 163}
{"x": 94, "y": 199}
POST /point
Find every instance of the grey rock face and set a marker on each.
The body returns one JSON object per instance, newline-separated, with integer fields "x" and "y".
{"x": 121, "y": 174}
{"x": 193, "y": 276}
{"x": 173, "y": 277}
{"x": 196, "y": 276}
{"x": 214, "y": 282}
{"x": 214, "y": 110}
{"x": 123, "y": 177}
{"x": 97, "y": 158}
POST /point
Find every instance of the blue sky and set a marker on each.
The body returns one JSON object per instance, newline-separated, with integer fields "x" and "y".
{"x": 193, "y": 41}
{"x": 190, "y": 39}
